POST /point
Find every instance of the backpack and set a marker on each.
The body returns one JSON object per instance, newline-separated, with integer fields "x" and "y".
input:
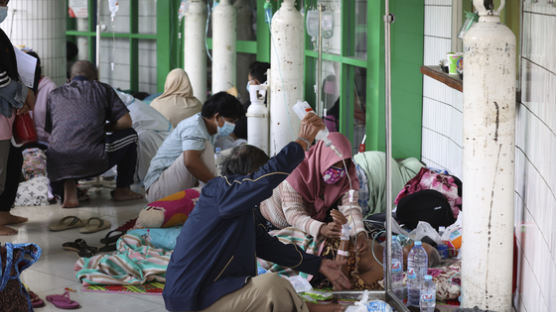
{"x": 426, "y": 205}
{"x": 448, "y": 185}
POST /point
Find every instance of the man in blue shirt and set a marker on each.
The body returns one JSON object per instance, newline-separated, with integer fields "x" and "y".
{"x": 213, "y": 267}
{"x": 187, "y": 156}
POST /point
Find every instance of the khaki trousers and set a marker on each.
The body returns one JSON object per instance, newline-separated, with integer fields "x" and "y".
{"x": 177, "y": 178}
{"x": 264, "y": 293}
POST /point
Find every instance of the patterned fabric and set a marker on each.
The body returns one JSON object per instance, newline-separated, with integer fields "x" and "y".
{"x": 448, "y": 281}
{"x": 446, "y": 184}
{"x": 332, "y": 175}
{"x": 33, "y": 192}
{"x": 151, "y": 288}
{"x": 170, "y": 211}
{"x": 14, "y": 258}
{"x": 34, "y": 163}
{"x": 136, "y": 262}
{"x": 76, "y": 117}
{"x": 286, "y": 207}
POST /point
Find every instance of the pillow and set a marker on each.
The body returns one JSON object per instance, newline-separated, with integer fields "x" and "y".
{"x": 169, "y": 211}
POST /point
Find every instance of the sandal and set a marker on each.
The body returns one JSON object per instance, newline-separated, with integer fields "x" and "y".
{"x": 63, "y": 301}
{"x": 109, "y": 238}
{"x": 95, "y": 225}
{"x": 66, "y": 223}
{"x": 81, "y": 247}
{"x": 108, "y": 248}
{"x": 36, "y": 302}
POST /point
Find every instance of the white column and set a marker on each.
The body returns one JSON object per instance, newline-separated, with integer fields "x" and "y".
{"x": 195, "y": 57}
{"x": 41, "y": 26}
{"x": 488, "y": 163}
{"x": 83, "y": 42}
{"x": 223, "y": 47}
{"x": 286, "y": 55}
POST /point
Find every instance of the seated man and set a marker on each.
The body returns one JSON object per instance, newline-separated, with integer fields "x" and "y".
{"x": 187, "y": 156}
{"x": 79, "y": 147}
{"x": 213, "y": 267}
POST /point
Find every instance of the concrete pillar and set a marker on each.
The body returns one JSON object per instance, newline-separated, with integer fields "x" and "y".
{"x": 83, "y": 42}
{"x": 195, "y": 58}
{"x": 41, "y": 26}
{"x": 286, "y": 86}
{"x": 488, "y": 162}
{"x": 223, "y": 46}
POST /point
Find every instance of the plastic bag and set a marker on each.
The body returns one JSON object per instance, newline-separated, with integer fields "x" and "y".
{"x": 424, "y": 229}
{"x": 113, "y": 6}
{"x": 299, "y": 283}
{"x": 366, "y": 305}
{"x": 453, "y": 233}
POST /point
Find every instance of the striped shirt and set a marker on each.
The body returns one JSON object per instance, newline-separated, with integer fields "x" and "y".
{"x": 286, "y": 208}
{"x": 4, "y": 79}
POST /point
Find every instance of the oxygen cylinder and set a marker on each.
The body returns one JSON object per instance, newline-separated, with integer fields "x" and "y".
{"x": 195, "y": 57}
{"x": 223, "y": 46}
{"x": 257, "y": 118}
{"x": 488, "y": 162}
{"x": 286, "y": 88}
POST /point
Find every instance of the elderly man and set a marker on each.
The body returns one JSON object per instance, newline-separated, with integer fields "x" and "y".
{"x": 78, "y": 115}
{"x": 213, "y": 267}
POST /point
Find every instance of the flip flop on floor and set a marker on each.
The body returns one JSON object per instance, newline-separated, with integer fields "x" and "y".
{"x": 63, "y": 301}
{"x": 112, "y": 236}
{"x": 80, "y": 246}
{"x": 94, "y": 225}
{"x": 36, "y": 302}
{"x": 66, "y": 223}
{"x": 108, "y": 247}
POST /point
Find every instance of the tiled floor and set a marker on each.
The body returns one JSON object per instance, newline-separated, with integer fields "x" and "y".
{"x": 54, "y": 270}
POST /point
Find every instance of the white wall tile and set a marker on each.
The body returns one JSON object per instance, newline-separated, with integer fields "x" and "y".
{"x": 438, "y": 21}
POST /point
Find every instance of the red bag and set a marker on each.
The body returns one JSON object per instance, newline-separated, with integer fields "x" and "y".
{"x": 24, "y": 129}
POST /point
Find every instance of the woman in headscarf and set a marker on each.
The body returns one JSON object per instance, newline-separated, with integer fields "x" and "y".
{"x": 177, "y": 102}
{"x": 321, "y": 183}
{"x": 15, "y": 98}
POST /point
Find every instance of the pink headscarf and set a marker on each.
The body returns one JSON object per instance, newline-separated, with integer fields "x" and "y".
{"x": 306, "y": 179}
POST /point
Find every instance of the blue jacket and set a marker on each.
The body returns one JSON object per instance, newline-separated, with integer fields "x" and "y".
{"x": 216, "y": 250}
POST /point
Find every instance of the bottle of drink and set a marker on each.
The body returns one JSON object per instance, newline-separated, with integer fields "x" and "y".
{"x": 428, "y": 295}
{"x": 417, "y": 265}
{"x": 397, "y": 267}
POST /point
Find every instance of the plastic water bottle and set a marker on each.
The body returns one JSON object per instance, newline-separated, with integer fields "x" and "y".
{"x": 428, "y": 295}
{"x": 417, "y": 265}
{"x": 397, "y": 267}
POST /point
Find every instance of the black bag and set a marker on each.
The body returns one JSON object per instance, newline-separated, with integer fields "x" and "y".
{"x": 427, "y": 205}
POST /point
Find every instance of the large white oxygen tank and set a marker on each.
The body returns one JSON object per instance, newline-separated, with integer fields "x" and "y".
{"x": 489, "y": 100}
{"x": 223, "y": 46}
{"x": 286, "y": 85}
{"x": 244, "y": 32}
{"x": 195, "y": 57}
{"x": 257, "y": 118}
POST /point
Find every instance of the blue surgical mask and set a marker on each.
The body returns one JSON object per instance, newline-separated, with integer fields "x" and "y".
{"x": 226, "y": 129}
{"x": 3, "y": 13}
{"x": 247, "y": 87}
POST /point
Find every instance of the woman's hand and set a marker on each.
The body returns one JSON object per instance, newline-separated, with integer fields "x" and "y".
{"x": 333, "y": 272}
{"x": 29, "y": 103}
{"x": 310, "y": 126}
{"x": 331, "y": 230}
{"x": 361, "y": 243}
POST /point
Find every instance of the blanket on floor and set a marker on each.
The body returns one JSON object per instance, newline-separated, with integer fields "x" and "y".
{"x": 140, "y": 258}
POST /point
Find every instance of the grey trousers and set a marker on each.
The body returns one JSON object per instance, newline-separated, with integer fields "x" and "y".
{"x": 177, "y": 178}
{"x": 4, "y": 153}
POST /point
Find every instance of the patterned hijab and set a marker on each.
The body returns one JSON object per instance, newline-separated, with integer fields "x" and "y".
{"x": 306, "y": 179}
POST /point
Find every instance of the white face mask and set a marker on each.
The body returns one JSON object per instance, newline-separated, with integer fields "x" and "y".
{"x": 3, "y": 13}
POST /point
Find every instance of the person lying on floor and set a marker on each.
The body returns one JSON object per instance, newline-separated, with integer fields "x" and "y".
{"x": 187, "y": 155}
{"x": 320, "y": 183}
{"x": 213, "y": 267}
{"x": 78, "y": 146}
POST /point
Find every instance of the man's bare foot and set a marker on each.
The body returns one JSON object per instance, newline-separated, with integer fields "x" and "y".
{"x": 6, "y": 218}
{"x": 329, "y": 307}
{"x": 6, "y": 231}
{"x": 124, "y": 193}
{"x": 70, "y": 194}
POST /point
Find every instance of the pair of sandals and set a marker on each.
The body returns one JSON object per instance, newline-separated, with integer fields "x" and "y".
{"x": 84, "y": 250}
{"x": 92, "y": 225}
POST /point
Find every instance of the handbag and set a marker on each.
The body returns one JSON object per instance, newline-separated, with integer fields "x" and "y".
{"x": 14, "y": 258}
{"x": 24, "y": 129}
